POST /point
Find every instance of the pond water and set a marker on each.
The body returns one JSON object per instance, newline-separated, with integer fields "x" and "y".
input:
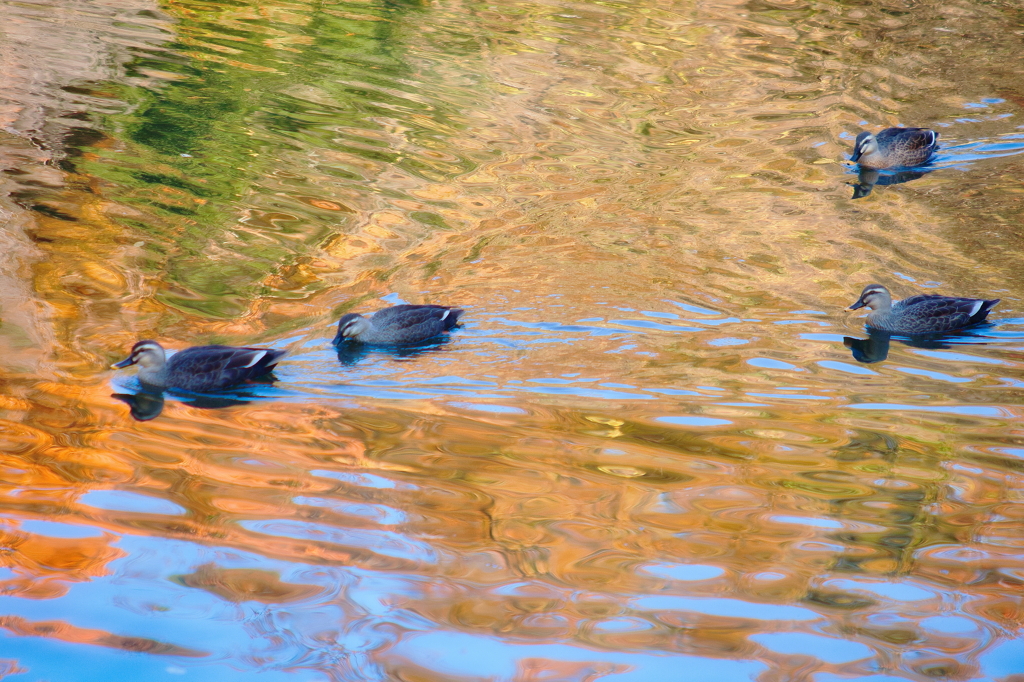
{"x": 659, "y": 448}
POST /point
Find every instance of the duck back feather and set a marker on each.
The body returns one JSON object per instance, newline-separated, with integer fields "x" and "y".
{"x": 896, "y": 148}
{"x": 405, "y": 325}
{"x": 213, "y": 368}
{"x": 927, "y": 314}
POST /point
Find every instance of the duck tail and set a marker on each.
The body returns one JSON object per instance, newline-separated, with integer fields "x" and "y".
{"x": 269, "y": 361}
{"x": 451, "y": 317}
{"x": 983, "y": 311}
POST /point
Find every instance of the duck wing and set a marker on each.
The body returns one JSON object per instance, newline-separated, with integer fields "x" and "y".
{"x": 210, "y": 368}
{"x": 416, "y": 322}
{"x": 916, "y": 141}
{"x": 922, "y": 136}
{"x": 925, "y": 314}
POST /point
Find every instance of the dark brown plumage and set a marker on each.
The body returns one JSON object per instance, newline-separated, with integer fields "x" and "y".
{"x": 399, "y": 325}
{"x": 895, "y": 148}
{"x": 921, "y": 314}
{"x": 201, "y": 368}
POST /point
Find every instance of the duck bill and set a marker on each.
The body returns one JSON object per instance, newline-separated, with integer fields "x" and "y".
{"x": 338, "y": 338}
{"x": 856, "y": 156}
{"x": 127, "y": 362}
{"x": 859, "y": 304}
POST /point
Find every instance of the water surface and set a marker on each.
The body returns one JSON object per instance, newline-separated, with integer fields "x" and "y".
{"x": 649, "y": 454}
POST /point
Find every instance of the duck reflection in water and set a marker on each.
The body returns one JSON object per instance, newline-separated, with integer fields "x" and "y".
{"x": 147, "y": 405}
{"x": 144, "y": 406}
{"x": 352, "y": 353}
{"x": 875, "y": 348}
{"x": 867, "y": 178}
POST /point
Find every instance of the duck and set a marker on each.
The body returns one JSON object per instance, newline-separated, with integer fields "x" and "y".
{"x": 399, "y": 325}
{"x": 895, "y": 147}
{"x": 921, "y": 314}
{"x": 201, "y": 369}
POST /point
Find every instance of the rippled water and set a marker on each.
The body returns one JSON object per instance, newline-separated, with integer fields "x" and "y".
{"x": 658, "y": 449}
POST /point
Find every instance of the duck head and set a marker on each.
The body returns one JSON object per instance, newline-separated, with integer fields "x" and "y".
{"x": 148, "y": 354}
{"x": 875, "y": 297}
{"x": 349, "y": 326}
{"x": 864, "y": 144}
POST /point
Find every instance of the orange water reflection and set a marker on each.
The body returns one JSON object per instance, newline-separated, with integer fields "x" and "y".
{"x": 663, "y": 541}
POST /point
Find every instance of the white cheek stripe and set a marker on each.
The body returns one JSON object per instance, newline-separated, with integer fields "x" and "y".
{"x": 256, "y": 357}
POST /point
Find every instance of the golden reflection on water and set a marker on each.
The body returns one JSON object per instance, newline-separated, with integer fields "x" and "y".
{"x": 648, "y": 451}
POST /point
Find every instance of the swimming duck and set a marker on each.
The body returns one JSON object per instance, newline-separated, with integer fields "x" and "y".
{"x": 895, "y": 147}
{"x": 201, "y": 368}
{"x": 922, "y": 314}
{"x": 399, "y": 325}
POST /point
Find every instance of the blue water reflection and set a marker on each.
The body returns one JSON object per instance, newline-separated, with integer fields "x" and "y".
{"x": 828, "y": 649}
{"x": 467, "y": 655}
